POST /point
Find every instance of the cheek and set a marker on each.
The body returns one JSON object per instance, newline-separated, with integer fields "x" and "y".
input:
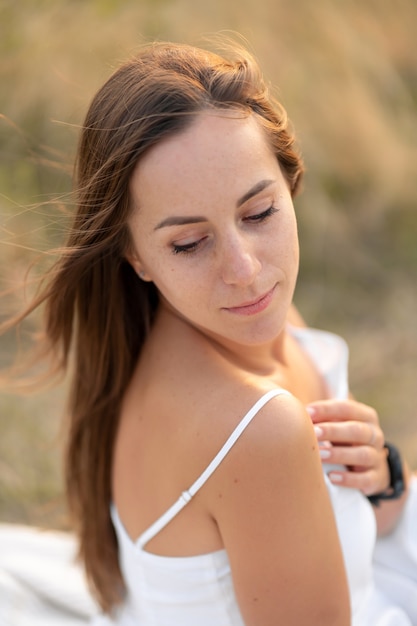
{"x": 172, "y": 281}
{"x": 285, "y": 238}
{"x": 290, "y": 233}
{"x": 284, "y": 249}
{"x": 187, "y": 288}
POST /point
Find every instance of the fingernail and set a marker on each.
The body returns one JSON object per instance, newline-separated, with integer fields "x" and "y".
{"x": 318, "y": 431}
{"x": 324, "y": 454}
{"x": 335, "y": 478}
{"x": 311, "y": 411}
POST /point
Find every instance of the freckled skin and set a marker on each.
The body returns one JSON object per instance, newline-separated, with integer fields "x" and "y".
{"x": 201, "y": 174}
{"x": 213, "y": 227}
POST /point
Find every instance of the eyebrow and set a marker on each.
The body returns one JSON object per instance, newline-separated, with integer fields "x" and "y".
{"x": 253, "y": 191}
{"x": 196, "y": 219}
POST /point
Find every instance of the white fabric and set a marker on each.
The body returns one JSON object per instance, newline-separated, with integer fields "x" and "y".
{"x": 395, "y": 558}
{"x": 198, "y": 590}
{"x": 40, "y": 585}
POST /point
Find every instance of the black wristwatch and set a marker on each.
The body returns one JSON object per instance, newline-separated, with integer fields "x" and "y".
{"x": 396, "y": 486}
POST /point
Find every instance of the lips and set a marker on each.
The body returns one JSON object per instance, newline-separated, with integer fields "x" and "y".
{"x": 254, "y": 306}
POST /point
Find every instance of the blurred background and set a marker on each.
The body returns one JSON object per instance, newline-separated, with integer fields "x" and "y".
{"x": 347, "y": 73}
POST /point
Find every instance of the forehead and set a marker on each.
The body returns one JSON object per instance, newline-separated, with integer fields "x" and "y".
{"x": 217, "y": 149}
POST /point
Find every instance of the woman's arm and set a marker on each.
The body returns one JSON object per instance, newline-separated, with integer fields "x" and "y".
{"x": 272, "y": 508}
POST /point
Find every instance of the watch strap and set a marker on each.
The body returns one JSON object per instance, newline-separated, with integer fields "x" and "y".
{"x": 396, "y": 487}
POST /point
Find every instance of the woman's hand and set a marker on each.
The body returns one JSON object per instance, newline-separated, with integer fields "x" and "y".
{"x": 349, "y": 434}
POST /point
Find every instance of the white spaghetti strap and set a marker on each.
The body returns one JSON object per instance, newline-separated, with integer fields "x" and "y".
{"x": 189, "y": 493}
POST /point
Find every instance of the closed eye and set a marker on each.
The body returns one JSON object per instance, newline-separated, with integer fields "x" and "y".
{"x": 186, "y": 248}
{"x": 261, "y": 217}
{"x": 189, "y": 248}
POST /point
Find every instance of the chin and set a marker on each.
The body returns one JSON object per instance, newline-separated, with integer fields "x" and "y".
{"x": 262, "y": 336}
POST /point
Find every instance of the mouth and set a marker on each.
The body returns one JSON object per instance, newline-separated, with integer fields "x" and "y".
{"x": 254, "y": 306}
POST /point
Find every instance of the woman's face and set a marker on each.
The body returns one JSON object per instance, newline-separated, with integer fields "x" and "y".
{"x": 213, "y": 227}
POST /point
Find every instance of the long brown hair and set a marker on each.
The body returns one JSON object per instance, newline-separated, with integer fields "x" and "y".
{"x": 97, "y": 311}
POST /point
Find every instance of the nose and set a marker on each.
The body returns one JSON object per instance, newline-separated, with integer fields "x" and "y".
{"x": 239, "y": 264}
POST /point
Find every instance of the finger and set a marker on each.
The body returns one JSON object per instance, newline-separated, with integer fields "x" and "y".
{"x": 341, "y": 410}
{"x": 350, "y": 433}
{"x": 368, "y": 482}
{"x": 364, "y": 457}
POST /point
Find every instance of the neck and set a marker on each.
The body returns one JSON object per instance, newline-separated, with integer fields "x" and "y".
{"x": 261, "y": 359}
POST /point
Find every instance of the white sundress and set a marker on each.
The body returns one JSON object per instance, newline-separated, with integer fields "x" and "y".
{"x": 38, "y": 579}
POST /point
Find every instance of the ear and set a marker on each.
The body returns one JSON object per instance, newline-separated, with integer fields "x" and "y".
{"x": 134, "y": 260}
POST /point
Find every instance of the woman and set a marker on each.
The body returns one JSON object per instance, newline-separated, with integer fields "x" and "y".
{"x": 190, "y": 366}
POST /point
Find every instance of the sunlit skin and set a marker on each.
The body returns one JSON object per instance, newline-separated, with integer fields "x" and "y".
{"x": 213, "y": 226}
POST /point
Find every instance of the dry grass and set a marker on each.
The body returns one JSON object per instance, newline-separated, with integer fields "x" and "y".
{"x": 347, "y": 73}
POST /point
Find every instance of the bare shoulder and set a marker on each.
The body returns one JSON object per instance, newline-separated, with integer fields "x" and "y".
{"x": 182, "y": 397}
{"x": 204, "y": 397}
{"x": 278, "y": 440}
{"x": 271, "y": 504}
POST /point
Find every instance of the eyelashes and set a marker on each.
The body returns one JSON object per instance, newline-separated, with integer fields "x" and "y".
{"x": 186, "y": 248}
{"x": 259, "y": 218}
